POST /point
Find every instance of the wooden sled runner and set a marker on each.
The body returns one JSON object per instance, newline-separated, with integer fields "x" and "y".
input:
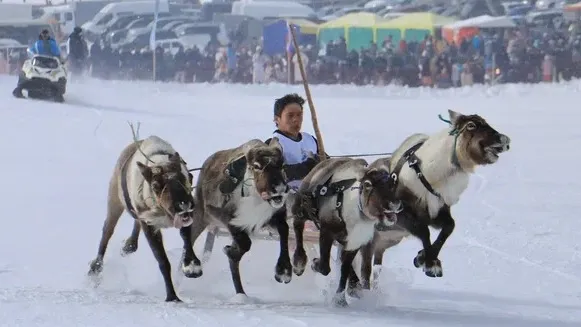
{"x": 311, "y": 238}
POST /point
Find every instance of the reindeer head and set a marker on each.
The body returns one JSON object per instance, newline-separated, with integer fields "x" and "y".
{"x": 477, "y": 142}
{"x": 266, "y": 165}
{"x": 171, "y": 188}
{"x": 378, "y": 197}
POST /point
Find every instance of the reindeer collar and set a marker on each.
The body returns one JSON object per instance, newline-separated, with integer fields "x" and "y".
{"x": 456, "y": 132}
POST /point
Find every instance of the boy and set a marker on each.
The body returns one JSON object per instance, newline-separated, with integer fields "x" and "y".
{"x": 299, "y": 148}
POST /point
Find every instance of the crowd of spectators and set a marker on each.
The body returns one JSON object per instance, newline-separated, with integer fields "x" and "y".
{"x": 504, "y": 57}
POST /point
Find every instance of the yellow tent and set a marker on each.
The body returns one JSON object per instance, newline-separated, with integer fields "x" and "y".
{"x": 356, "y": 28}
{"x": 411, "y": 27}
{"x": 307, "y": 27}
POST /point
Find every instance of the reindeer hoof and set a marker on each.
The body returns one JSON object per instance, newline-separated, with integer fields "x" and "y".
{"x": 317, "y": 267}
{"x": 299, "y": 262}
{"x": 355, "y": 291}
{"x": 435, "y": 270}
{"x": 95, "y": 267}
{"x": 192, "y": 270}
{"x": 283, "y": 272}
{"x": 420, "y": 259}
{"x": 339, "y": 300}
{"x": 173, "y": 298}
{"x": 285, "y": 277}
{"x": 299, "y": 270}
{"x": 128, "y": 248}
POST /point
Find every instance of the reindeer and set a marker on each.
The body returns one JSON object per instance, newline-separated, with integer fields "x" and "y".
{"x": 348, "y": 200}
{"x": 433, "y": 171}
{"x": 244, "y": 189}
{"x": 157, "y": 195}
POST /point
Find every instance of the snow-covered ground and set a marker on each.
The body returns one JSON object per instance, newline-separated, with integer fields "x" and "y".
{"x": 514, "y": 259}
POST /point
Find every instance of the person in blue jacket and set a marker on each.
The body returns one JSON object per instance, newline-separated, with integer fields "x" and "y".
{"x": 45, "y": 45}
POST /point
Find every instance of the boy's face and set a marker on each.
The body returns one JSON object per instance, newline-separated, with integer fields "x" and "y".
{"x": 291, "y": 119}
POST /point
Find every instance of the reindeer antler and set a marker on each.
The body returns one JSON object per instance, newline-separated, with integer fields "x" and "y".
{"x": 136, "y": 139}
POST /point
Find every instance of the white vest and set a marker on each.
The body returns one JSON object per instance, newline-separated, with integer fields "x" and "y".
{"x": 295, "y": 152}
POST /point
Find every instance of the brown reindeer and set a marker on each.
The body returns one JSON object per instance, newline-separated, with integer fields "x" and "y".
{"x": 433, "y": 171}
{"x": 349, "y": 200}
{"x": 152, "y": 183}
{"x": 244, "y": 189}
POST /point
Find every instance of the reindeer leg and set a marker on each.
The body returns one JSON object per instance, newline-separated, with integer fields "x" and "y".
{"x": 346, "y": 268}
{"x": 198, "y": 228}
{"x": 433, "y": 266}
{"x": 419, "y": 229}
{"x": 241, "y": 244}
{"x": 366, "y": 258}
{"x": 354, "y": 283}
{"x": 114, "y": 212}
{"x": 378, "y": 258}
{"x": 322, "y": 265}
{"x": 131, "y": 243}
{"x": 283, "y": 269}
{"x": 191, "y": 265}
{"x": 155, "y": 240}
{"x": 300, "y": 255}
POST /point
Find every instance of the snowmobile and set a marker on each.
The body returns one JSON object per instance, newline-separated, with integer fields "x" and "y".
{"x": 44, "y": 77}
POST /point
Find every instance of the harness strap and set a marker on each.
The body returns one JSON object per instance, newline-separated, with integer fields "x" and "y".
{"x": 414, "y": 163}
{"x": 329, "y": 189}
{"x": 124, "y": 188}
{"x": 235, "y": 175}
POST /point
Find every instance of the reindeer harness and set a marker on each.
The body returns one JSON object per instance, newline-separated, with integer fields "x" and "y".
{"x": 124, "y": 189}
{"x": 235, "y": 175}
{"x": 329, "y": 189}
{"x": 415, "y": 163}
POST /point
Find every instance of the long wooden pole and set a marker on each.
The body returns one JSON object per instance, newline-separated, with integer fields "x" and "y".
{"x": 314, "y": 120}
{"x": 154, "y": 64}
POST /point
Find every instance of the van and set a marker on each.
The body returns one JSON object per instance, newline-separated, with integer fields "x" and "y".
{"x": 264, "y": 9}
{"x": 102, "y": 19}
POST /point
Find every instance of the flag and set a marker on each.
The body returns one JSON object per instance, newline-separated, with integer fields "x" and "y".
{"x": 154, "y": 28}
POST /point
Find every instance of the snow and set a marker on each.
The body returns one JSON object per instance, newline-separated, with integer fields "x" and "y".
{"x": 514, "y": 259}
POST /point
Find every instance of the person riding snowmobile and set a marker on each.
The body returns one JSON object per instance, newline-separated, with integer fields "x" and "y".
{"x": 45, "y": 45}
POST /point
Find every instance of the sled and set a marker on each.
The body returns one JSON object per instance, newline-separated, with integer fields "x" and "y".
{"x": 310, "y": 238}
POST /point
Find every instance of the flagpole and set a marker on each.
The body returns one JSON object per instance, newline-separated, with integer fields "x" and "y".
{"x": 152, "y": 38}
